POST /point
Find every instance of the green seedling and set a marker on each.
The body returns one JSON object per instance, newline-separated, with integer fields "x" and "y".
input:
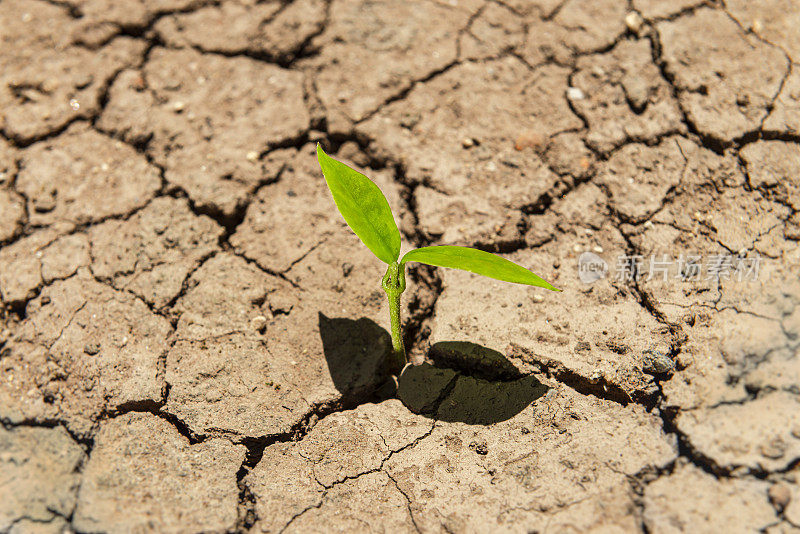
{"x": 368, "y": 214}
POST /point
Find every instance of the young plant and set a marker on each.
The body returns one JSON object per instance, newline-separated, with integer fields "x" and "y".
{"x": 368, "y": 214}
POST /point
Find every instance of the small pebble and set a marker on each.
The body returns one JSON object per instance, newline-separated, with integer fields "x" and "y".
{"x": 598, "y": 249}
{"x": 50, "y": 85}
{"x": 634, "y": 21}
{"x": 178, "y": 106}
{"x": 259, "y": 322}
{"x": 538, "y": 298}
{"x": 656, "y": 361}
{"x": 252, "y": 156}
{"x": 138, "y": 84}
{"x": 573, "y": 93}
{"x": 347, "y": 268}
{"x": 479, "y": 447}
{"x": 74, "y": 104}
{"x": 467, "y": 142}
{"x": 528, "y": 140}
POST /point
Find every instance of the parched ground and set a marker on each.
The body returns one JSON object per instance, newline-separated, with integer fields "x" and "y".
{"x": 191, "y": 340}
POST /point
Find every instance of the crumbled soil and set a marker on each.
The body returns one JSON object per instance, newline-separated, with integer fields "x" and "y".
{"x": 192, "y": 340}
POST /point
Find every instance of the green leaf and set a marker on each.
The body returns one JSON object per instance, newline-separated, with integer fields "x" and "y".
{"x": 478, "y": 262}
{"x": 363, "y": 207}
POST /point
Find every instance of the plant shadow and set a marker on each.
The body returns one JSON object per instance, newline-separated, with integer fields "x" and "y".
{"x": 485, "y": 389}
{"x": 356, "y": 352}
{"x": 466, "y": 383}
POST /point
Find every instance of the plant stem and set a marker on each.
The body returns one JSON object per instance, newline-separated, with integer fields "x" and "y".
{"x": 394, "y": 283}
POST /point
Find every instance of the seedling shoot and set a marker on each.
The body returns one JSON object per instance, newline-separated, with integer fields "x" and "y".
{"x": 368, "y": 214}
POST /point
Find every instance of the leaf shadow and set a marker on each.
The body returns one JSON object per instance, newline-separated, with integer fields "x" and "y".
{"x": 467, "y": 383}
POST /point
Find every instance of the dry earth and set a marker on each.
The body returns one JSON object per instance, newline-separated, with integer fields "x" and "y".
{"x": 192, "y": 340}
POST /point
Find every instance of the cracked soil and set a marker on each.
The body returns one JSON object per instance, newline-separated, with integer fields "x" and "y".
{"x": 192, "y": 340}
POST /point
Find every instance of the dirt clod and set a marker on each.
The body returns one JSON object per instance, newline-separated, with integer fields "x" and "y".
{"x": 42, "y": 466}
{"x": 780, "y": 495}
{"x": 140, "y": 475}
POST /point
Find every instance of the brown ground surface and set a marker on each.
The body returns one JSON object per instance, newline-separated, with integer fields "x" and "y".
{"x": 192, "y": 340}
